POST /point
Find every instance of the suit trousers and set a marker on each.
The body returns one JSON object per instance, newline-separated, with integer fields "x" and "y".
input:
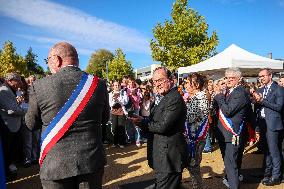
{"x": 282, "y": 138}
{"x": 87, "y": 181}
{"x": 118, "y": 126}
{"x": 271, "y": 146}
{"x": 31, "y": 143}
{"x": 233, "y": 160}
{"x": 10, "y": 146}
{"x": 272, "y": 154}
{"x": 168, "y": 180}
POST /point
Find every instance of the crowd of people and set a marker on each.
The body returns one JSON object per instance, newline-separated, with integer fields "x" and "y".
{"x": 19, "y": 143}
{"x": 63, "y": 120}
{"x": 204, "y": 98}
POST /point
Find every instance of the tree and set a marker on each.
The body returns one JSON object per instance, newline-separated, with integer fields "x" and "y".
{"x": 119, "y": 67}
{"x": 184, "y": 40}
{"x": 32, "y": 66}
{"x": 10, "y": 61}
{"x": 98, "y": 61}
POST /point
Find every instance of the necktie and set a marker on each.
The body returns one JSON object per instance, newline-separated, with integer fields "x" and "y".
{"x": 158, "y": 98}
{"x": 265, "y": 91}
{"x": 227, "y": 93}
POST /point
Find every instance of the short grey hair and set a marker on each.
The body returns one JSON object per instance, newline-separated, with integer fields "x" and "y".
{"x": 268, "y": 70}
{"x": 236, "y": 71}
{"x": 12, "y": 76}
{"x": 166, "y": 70}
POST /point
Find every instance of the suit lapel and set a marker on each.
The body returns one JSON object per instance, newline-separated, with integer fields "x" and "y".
{"x": 232, "y": 93}
{"x": 163, "y": 100}
{"x": 10, "y": 90}
{"x": 153, "y": 109}
{"x": 270, "y": 90}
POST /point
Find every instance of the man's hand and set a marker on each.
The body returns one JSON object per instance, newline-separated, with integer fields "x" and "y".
{"x": 257, "y": 97}
{"x": 20, "y": 99}
{"x": 136, "y": 119}
{"x": 257, "y": 136}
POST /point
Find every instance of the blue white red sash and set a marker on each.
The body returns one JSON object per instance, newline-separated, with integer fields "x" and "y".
{"x": 68, "y": 114}
{"x": 228, "y": 124}
{"x": 199, "y": 135}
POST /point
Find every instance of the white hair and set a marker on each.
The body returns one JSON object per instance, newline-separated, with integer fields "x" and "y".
{"x": 236, "y": 71}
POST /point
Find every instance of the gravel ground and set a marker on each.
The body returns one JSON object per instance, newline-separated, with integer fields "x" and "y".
{"x": 127, "y": 168}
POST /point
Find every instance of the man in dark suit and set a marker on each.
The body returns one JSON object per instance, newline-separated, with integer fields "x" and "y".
{"x": 233, "y": 106}
{"x": 166, "y": 148}
{"x": 12, "y": 115}
{"x": 76, "y": 160}
{"x": 270, "y": 99}
{"x": 281, "y": 83}
{"x": 282, "y": 145}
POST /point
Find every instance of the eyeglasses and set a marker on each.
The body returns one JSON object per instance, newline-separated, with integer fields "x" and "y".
{"x": 47, "y": 59}
{"x": 230, "y": 77}
{"x": 261, "y": 76}
{"x": 159, "y": 81}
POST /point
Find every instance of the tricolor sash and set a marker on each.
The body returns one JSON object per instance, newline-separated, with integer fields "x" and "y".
{"x": 228, "y": 125}
{"x": 199, "y": 135}
{"x": 68, "y": 114}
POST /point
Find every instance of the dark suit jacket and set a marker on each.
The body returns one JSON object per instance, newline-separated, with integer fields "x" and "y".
{"x": 166, "y": 149}
{"x": 10, "y": 111}
{"x": 80, "y": 150}
{"x": 272, "y": 104}
{"x": 234, "y": 107}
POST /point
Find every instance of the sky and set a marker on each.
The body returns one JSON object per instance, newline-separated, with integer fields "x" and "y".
{"x": 255, "y": 25}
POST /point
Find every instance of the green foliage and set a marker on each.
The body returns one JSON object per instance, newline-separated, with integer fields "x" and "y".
{"x": 119, "y": 67}
{"x": 32, "y": 66}
{"x": 98, "y": 61}
{"x": 47, "y": 72}
{"x": 10, "y": 61}
{"x": 184, "y": 40}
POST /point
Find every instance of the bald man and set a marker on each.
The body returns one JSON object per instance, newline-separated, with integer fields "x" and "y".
{"x": 70, "y": 106}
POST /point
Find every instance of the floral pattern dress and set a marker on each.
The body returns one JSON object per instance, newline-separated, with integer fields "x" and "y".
{"x": 197, "y": 111}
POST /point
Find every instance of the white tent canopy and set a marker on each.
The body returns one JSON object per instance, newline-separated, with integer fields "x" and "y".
{"x": 233, "y": 56}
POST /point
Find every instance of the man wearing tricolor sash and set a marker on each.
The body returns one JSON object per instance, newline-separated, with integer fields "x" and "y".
{"x": 233, "y": 107}
{"x": 70, "y": 106}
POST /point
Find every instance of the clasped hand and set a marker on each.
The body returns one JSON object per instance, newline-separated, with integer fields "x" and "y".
{"x": 136, "y": 119}
{"x": 257, "y": 96}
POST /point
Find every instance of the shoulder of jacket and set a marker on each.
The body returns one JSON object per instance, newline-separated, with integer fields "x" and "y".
{"x": 4, "y": 87}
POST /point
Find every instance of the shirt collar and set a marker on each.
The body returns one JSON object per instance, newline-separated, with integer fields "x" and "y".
{"x": 268, "y": 86}
{"x": 231, "y": 89}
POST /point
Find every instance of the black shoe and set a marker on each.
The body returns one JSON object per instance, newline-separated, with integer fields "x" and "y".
{"x": 10, "y": 176}
{"x": 27, "y": 162}
{"x": 265, "y": 179}
{"x": 271, "y": 182}
{"x": 206, "y": 152}
{"x": 105, "y": 142}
